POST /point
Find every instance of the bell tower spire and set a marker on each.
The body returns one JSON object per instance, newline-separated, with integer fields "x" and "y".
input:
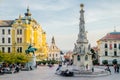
{"x": 28, "y": 12}
{"x": 53, "y": 40}
{"x": 82, "y": 38}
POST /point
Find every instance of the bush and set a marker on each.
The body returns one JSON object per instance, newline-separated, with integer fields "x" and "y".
{"x": 12, "y": 58}
{"x": 105, "y": 62}
{"x": 44, "y": 62}
{"x": 114, "y": 61}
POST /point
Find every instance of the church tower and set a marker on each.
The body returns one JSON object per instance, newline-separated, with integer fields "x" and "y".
{"x": 54, "y": 51}
{"x": 81, "y": 53}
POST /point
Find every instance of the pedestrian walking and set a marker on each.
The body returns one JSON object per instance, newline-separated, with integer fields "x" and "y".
{"x": 108, "y": 69}
{"x": 92, "y": 69}
{"x": 115, "y": 68}
{"x": 59, "y": 66}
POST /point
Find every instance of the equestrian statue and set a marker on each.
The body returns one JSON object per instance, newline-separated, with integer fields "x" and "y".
{"x": 30, "y": 49}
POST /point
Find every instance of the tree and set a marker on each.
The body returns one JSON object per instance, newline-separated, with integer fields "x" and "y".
{"x": 12, "y": 58}
{"x": 93, "y": 53}
{"x": 105, "y": 62}
{"x": 1, "y": 57}
{"x": 114, "y": 61}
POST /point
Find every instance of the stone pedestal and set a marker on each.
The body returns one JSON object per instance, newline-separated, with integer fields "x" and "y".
{"x": 32, "y": 64}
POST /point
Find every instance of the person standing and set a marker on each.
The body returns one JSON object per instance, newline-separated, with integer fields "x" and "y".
{"x": 117, "y": 68}
{"x": 59, "y": 66}
{"x": 87, "y": 67}
{"x": 108, "y": 69}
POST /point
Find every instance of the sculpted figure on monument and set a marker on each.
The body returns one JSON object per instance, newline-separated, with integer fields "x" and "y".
{"x": 75, "y": 47}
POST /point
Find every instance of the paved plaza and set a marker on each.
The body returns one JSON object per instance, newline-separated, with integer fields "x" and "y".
{"x": 46, "y": 73}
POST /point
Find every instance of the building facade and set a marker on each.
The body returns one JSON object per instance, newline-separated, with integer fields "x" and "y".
{"x": 5, "y": 36}
{"x": 82, "y": 56}
{"x": 109, "y": 48}
{"x": 25, "y": 31}
{"x": 54, "y": 51}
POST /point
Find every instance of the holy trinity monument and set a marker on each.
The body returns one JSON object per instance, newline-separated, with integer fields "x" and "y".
{"x": 82, "y": 57}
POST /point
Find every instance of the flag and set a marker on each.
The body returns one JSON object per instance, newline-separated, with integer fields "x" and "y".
{"x": 110, "y": 46}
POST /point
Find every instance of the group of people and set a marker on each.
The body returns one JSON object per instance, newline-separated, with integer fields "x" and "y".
{"x": 12, "y": 68}
{"x": 115, "y": 66}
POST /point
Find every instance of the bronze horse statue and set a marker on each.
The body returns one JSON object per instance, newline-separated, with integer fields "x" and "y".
{"x": 30, "y": 49}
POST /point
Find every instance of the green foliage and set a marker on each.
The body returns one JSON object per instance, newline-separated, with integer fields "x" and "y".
{"x": 14, "y": 58}
{"x": 1, "y": 57}
{"x": 105, "y": 62}
{"x": 93, "y": 54}
{"x": 114, "y": 61}
{"x": 44, "y": 62}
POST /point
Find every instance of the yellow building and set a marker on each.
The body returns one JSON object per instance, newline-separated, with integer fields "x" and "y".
{"x": 26, "y": 31}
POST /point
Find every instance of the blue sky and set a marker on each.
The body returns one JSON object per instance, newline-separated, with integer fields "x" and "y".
{"x": 60, "y": 18}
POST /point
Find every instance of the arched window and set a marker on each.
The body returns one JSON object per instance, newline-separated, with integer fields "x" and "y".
{"x": 9, "y": 40}
{"x": 106, "y": 53}
{"x": 3, "y": 31}
{"x": 8, "y": 31}
{"x": 3, "y": 49}
{"x": 115, "y": 45}
{"x": 86, "y": 57}
{"x": 115, "y": 53}
{"x": 3, "y": 40}
{"x": 106, "y": 45}
{"x": 119, "y": 46}
{"x": 20, "y": 31}
{"x": 9, "y": 50}
{"x": 78, "y": 57}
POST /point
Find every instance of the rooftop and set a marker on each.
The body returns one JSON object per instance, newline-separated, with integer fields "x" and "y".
{"x": 111, "y": 36}
{"x": 6, "y": 23}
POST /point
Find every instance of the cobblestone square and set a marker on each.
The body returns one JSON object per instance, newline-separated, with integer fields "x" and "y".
{"x": 46, "y": 73}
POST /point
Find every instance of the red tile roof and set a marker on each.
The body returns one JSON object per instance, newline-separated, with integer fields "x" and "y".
{"x": 112, "y": 36}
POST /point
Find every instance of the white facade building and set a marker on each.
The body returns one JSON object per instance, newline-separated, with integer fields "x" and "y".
{"x": 5, "y": 36}
{"x": 54, "y": 51}
{"x": 109, "y": 48}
